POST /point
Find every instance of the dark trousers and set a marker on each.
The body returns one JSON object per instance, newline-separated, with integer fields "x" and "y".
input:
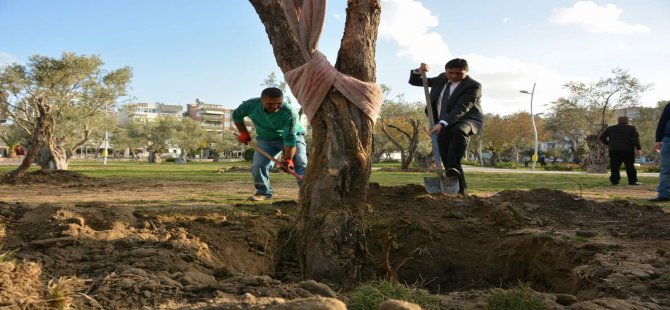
{"x": 628, "y": 159}
{"x": 452, "y": 143}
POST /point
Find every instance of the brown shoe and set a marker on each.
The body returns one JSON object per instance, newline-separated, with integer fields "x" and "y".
{"x": 259, "y": 197}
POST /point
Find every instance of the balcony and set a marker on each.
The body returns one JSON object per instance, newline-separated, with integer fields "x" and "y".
{"x": 210, "y": 118}
{"x": 214, "y": 126}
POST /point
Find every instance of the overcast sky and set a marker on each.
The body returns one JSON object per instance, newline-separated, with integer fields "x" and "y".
{"x": 217, "y": 50}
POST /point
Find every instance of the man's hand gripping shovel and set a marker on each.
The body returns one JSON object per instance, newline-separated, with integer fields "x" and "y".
{"x": 441, "y": 183}
{"x": 270, "y": 157}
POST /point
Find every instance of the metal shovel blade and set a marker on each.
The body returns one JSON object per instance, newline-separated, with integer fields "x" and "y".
{"x": 435, "y": 185}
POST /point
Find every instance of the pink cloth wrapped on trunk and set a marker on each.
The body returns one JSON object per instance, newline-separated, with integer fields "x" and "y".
{"x": 311, "y": 82}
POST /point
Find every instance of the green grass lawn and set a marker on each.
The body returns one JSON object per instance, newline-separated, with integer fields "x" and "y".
{"x": 478, "y": 182}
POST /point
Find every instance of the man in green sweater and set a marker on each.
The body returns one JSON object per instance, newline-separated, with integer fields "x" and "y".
{"x": 278, "y": 129}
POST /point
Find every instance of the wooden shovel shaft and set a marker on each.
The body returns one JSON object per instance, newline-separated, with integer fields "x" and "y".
{"x": 431, "y": 121}
{"x": 270, "y": 157}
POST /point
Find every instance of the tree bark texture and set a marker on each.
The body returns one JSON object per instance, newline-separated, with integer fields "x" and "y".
{"x": 598, "y": 155}
{"x": 332, "y": 197}
{"x": 42, "y": 128}
{"x": 59, "y": 159}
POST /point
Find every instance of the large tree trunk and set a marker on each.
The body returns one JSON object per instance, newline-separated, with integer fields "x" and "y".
{"x": 59, "y": 159}
{"x": 42, "y": 127}
{"x": 598, "y": 155}
{"x": 332, "y": 236}
{"x": 52, "y": 159}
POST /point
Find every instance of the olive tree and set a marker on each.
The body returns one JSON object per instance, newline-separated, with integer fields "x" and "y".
{"x": 603, "y": 97}
{"x": 59, "y": 102}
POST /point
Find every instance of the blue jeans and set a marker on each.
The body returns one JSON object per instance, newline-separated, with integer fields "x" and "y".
{"x": 663, "y": 188}
{"x": 260, "y": 169}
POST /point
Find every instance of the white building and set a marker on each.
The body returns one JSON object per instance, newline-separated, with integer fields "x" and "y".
{"x": 149, "y": 112}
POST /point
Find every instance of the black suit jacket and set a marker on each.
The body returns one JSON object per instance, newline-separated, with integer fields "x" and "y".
{"x": 621, "y": 137}
{"x": 464, "y": 104}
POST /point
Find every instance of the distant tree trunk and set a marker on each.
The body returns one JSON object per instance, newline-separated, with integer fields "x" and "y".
{"x": 598, "y": 155}
{"x": 36, "y": 142}
{"x": 332, "y": 233}
{"x": 495, "y": 157}
{"x": 515, "y": 149}
{"x": 11, "y": 150}
{"x": 406, "y": 157}
{"x": 480, "y": 146}
{"x": 182, "y": 157}
{"x": 154, "y": 157}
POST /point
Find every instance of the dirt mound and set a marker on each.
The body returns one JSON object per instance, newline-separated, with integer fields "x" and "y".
{"x": 21, "y": 283}
{"x": 147, "y": 257}
{"x": 234, "y": 169}
{"x": 48, "y": 176}
{"x": 558, "y": 243}
{"x": 580, "y": 254}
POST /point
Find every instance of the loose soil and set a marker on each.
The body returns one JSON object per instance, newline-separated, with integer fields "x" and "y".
{"x": 114, "y": 245}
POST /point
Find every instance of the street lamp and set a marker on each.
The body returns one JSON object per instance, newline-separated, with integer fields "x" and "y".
{"x": 532, "y": 119}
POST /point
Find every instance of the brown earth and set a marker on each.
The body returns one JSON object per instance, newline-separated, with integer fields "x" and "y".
{"x": 102, "y": 244}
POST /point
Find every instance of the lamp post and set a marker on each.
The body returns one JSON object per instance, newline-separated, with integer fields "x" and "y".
{"x": 532, "y": 120}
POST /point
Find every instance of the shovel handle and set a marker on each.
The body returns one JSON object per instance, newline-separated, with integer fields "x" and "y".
{"x": 270, "y": 157}
{"x": 431, "y": 121}
{"x": 426, "y": 92}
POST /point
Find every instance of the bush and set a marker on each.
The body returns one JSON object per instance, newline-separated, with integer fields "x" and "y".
{"x": 650, "y": 168}
{"x": 170, "y": 159}
{"x": 370, "y": 295}
{"x": 520, "y": 297}
{"x": 507, "y": 165}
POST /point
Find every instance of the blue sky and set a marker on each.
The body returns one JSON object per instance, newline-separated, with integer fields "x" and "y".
{"x": 217, "y": 50}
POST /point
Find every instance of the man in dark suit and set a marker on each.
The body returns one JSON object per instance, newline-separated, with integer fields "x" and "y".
{"x": 623, "y": 142}
{"x": 455, "y": 100}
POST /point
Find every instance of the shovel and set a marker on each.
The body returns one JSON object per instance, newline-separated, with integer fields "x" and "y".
{"x": 270, "y": 157}
{"x": 439, "y": 184}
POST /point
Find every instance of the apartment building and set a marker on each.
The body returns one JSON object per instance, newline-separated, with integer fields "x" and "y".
{"x": 212, "y": 117}
{"x": 149, "y": 111}
{"x": 632, "y": 112}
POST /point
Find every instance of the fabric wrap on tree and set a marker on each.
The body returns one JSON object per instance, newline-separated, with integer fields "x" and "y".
{"x": 311, "y": 82}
